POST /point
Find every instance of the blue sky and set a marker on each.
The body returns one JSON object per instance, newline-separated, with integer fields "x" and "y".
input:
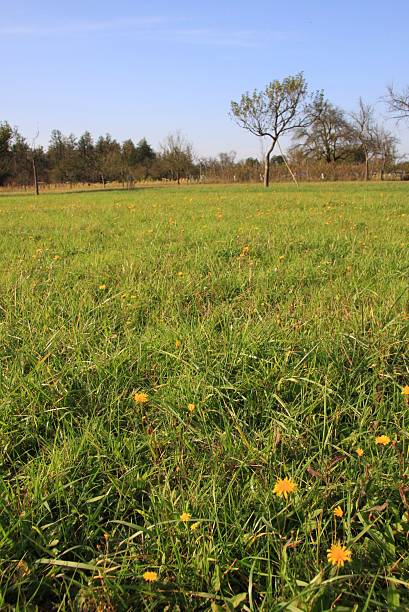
{"x": 137, "y": 68}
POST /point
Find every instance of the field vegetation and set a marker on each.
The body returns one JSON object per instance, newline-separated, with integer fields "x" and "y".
{"x": 203, "y": 390}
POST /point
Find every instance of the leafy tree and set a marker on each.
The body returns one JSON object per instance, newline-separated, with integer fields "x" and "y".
{"x": 86, "y": 159}
{"x": 109, "y": 159}
{"x": 6, "y": 136}
{"x": 276, "y": 110}
{"x": 145, "y": 157}
{"x": 63, "y": 157}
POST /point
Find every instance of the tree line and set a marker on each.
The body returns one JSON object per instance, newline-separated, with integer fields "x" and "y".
{"x": 68, "y": 159}
{"x": 324, "y": 136}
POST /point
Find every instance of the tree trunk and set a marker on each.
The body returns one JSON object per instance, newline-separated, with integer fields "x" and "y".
{"x": 367, "y": 167}
{"x": 35, "y": 176}
{"x": 267, "y": 165}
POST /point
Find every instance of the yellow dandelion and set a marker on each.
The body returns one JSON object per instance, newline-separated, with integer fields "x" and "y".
{"x": 191, "y": 407}
{"x": 338, "y": 554}
{"x": 180, "y": 273}
{"x": 384, "y": 440}
{"x": 405, "y": 390}
{"x": 150, "y": 576}
{"x": 338, "y": 511}
{"x": 359, "y": 452}
{"x": 102, "y": 287}
{"x": 140, "y": 398}
{"x": 185, "y": 517}
{"x": 194, "y": 526}
{"x": 284, "y": 486}
{"x": 178, "y": 344}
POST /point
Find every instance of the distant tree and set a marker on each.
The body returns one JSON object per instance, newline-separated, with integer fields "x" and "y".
{"x": 63, "y": 157}
{"x": 108, "y": 159}
{"x": 363, "y": 131}
{"x": 276, "y": 110}
{"x": 144, "y": 157}
{"x": 328, "y": 134}
{"x": 177, "y": 155}
{"x": 86, "y": 159}
{"x": 277, "y": 160}
{"x": 398, "y": 102}
{"x": 22, "y": 167}
{"x": 6, "y": 137}
{"x": 385, "y": 148}
{"x": 129, "y": 162}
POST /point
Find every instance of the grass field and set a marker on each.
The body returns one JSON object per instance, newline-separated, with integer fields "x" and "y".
{"x": 269, "y": 331}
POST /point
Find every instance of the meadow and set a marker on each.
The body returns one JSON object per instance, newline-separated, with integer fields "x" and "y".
{"x": 169, "y": 357}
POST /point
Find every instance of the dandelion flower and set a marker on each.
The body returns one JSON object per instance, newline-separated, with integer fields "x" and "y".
{"x": 191, "y": 407}
{"x": 194, "y": 526}
{"x": 338, "y": 554}
{"x": 384, "y": 440}
{"x": 284, "y": 486}
{"x": 102, "y": 287}
{"x": 338, "y": 511}
{"x": 185, "y": 517}
{"x": 140, "y": 398}
{"x": 405, "y": 390}
{"x": 177, "y": 344}
{"x": 150, "y": 576}
{"x": 359, "y": 452}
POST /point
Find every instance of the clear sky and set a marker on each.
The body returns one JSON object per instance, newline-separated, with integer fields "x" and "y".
{"x": 136, "y": 68}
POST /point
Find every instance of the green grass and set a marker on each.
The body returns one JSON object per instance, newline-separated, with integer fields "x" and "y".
{"x": 294, "y": 352}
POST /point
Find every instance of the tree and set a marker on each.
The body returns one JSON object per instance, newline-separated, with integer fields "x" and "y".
{"x": 272, "y": 112}
{"x": 109, "y": 160}
{"x": 144, "y": 156}
{"x": 177, "y": 155}
{"x": 398, "y": 102}
{"x": 363, "y": 130}
{"x": 328, "y": 134}
{"x": 6, "y": 137}
{"x": 63, "y": 157}
{"x": 385, "y": 149}
{"x": 86, "y": 159}
{"x": 128, "y": 161}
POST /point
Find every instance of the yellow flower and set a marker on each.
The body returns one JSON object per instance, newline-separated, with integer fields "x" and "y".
{"x": 191, "y": 407}
{"x": 338, "y": 512}
{"x": 194, "y": 526}
{"x": 384, "y": 440}
{"x": 185, "y": 517}
{"x": 177, "y": 344}
{"x": 140, "y": 398}
{"x": 150, "y": 576}
{"x": 102, "y": 287}
{"x": 284, "y": 486}
{"x": 405, "y": 390}
{"x": 180, "y": 273}
{"x": 338, "y": 554}
{"x": 359, "y": 452}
